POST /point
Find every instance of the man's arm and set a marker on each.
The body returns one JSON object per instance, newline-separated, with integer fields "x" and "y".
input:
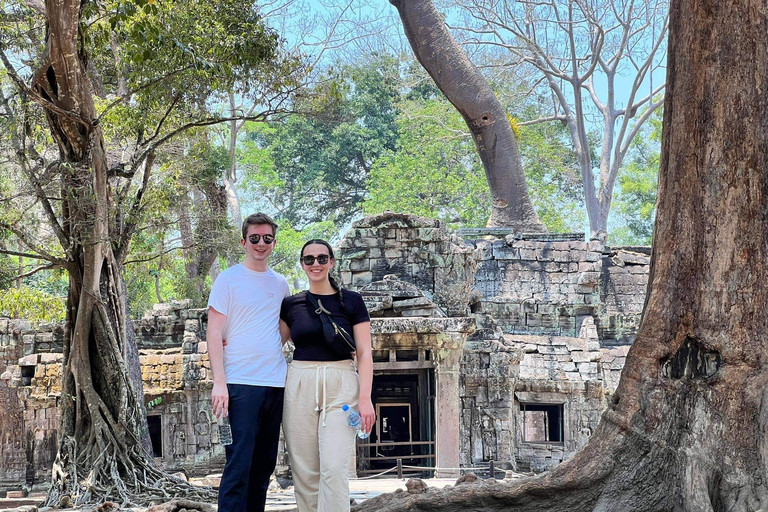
{"x": 285, "y": 332}
{"x": 220, "y": 394}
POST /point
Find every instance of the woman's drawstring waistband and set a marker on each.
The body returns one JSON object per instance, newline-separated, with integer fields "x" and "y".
{"x": 325, "y": 409}
{"x": 317, "y": 390}
{"x": 333, "y": 365}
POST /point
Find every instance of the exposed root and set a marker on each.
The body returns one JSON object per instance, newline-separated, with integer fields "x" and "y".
{"x": 130, "y": 479}
{"x": 178, "y": 505}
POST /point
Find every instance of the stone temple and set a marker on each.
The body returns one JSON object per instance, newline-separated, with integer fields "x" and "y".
{"x": 488, "y": 345}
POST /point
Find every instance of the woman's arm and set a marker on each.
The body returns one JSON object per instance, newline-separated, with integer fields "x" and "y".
{"x": 362, "y": 332}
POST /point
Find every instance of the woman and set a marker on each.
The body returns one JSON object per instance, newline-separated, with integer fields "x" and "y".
{"x": 320, "y": 381}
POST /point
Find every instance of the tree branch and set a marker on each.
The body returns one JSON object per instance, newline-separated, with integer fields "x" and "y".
{"x": 543, "y": 120}
{"x": 32, "y": 272}
{"x": 159, "y": 255}
{"x": 34, "y": 256}
{"x": 121, "y": 251}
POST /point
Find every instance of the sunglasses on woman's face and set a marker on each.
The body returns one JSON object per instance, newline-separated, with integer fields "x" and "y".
{"x": 310, "y": 260}
{"x": 268, "y": 239}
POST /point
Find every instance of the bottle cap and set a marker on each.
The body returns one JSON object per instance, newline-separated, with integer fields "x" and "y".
{"x": 345, "y": 407}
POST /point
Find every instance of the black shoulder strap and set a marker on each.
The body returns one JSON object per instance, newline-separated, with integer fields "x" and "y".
{"x": 318, "y": 308}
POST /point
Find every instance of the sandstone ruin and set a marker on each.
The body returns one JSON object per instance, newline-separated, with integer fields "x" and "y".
{"x": 488, "y": 346}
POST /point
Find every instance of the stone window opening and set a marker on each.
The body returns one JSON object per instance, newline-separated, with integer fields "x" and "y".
{"x": 407, "y": 355}
{"x": 542, "y": 423}
{"x": 380, "y": 356}
{"x": 155, "y": 426}
{"x": 27, "y": 373}
{"x": 405, "y": 358}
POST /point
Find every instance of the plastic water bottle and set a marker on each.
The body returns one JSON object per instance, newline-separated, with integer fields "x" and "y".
{"x": 225, "y": 430}
{"x": 355, "y": 421}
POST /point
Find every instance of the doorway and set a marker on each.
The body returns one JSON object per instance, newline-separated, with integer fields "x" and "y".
{"x": 405, "y": 425}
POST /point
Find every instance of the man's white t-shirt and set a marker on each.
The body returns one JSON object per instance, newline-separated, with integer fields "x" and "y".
{"x": 251, "y": 301}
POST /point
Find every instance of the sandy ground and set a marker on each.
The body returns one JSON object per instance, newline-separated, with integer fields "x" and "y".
{"x": 359, "y": 490}
{"x": 277, "y": 499}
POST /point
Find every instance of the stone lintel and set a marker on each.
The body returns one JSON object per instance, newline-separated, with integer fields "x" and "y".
{"x": 541, "y": 397}
{"x": 430, "y": 325}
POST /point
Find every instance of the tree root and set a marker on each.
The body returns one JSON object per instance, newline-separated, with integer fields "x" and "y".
{"x": 181, "y": 505}
{"x": 128, "y": 477}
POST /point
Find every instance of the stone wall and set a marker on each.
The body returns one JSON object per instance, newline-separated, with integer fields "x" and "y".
{"x": 554, "y": 322}
{"x": 180, "y": 378}
{"x": 489, "y": 370}
{"x": 417, "y": 250}
{"x": 29, "y": 393}
{"x": 501, "y": 372}
{"x": 549, "y": 287}
{"x": 13, "y": 448}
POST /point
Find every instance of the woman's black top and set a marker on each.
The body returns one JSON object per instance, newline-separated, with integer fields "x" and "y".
{"x": 307, "y": 328}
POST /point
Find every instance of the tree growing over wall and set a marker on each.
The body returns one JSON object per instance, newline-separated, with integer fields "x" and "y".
{"x": 685, "y": 430}
{"x": 468, "y": 91}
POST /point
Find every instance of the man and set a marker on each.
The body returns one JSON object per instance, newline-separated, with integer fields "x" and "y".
{"x": 249, "y": 377}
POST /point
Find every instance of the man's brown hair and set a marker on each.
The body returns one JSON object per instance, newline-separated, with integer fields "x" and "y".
{"x": 256, "y": 219}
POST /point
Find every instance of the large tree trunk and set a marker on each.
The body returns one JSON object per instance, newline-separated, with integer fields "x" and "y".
{"x": 686, "y": 429}
{"x": 101, "y": 455}
{"x": 469, "y": 92}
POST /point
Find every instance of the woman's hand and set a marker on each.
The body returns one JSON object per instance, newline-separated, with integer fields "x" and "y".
{"x": 367, "y": 413}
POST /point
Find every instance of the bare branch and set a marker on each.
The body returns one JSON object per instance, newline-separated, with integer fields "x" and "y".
{"x": 32, "y": 272}
{"x": 121, "y": 249}
{"x": 542, "y": 120}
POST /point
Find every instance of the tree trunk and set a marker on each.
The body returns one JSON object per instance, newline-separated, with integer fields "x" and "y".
{"x": 100, "y": 455}
{"x": 469, "y": 92}
{"x": 686, "y": 429}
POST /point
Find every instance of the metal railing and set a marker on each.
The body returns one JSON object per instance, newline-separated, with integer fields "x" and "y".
{"x": 401, "y": 470}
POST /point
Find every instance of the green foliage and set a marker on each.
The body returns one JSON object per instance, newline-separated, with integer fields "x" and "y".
{"x": 634, "y": 204}
{"x": 154, "y": 403}
{"x": 186, "y": 195}
{"x": 31, "y": 304}
{"x": 315, "y": 165}
{"x": 552, "y": 176}
{"x": 434, "y": 171}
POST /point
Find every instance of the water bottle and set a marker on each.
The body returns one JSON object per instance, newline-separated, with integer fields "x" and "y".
{"x": 355, "y": 421}
{"x": 225, "y": 430}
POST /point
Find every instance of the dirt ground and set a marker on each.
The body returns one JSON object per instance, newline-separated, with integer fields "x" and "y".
{"x": 278, "y": 499}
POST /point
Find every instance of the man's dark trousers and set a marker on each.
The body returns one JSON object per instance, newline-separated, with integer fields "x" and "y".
{"x": 254, "y": 413}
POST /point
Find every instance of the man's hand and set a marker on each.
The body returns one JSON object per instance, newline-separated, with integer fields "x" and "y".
{"x": 220, "y": 399}
{"x": 220, "y": 394}
{"x": 367, "y": 413}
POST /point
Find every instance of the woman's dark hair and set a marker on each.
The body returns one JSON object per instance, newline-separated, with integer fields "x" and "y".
{"x": 333, "y": 282}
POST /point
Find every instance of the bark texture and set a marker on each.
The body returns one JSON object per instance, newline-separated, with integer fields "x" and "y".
{"x": 469, "y": 92}
{"x": 686, "y": 429}
{"x": 101, "y": 455}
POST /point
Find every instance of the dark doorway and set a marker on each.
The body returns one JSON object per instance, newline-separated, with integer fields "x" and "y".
{"x": 405, "y": 428}
{"x": 155, "y": 427}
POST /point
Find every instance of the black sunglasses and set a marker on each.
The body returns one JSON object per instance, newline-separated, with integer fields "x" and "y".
{"x": 268, "y": 239}
{"x": 310, "y": 260}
